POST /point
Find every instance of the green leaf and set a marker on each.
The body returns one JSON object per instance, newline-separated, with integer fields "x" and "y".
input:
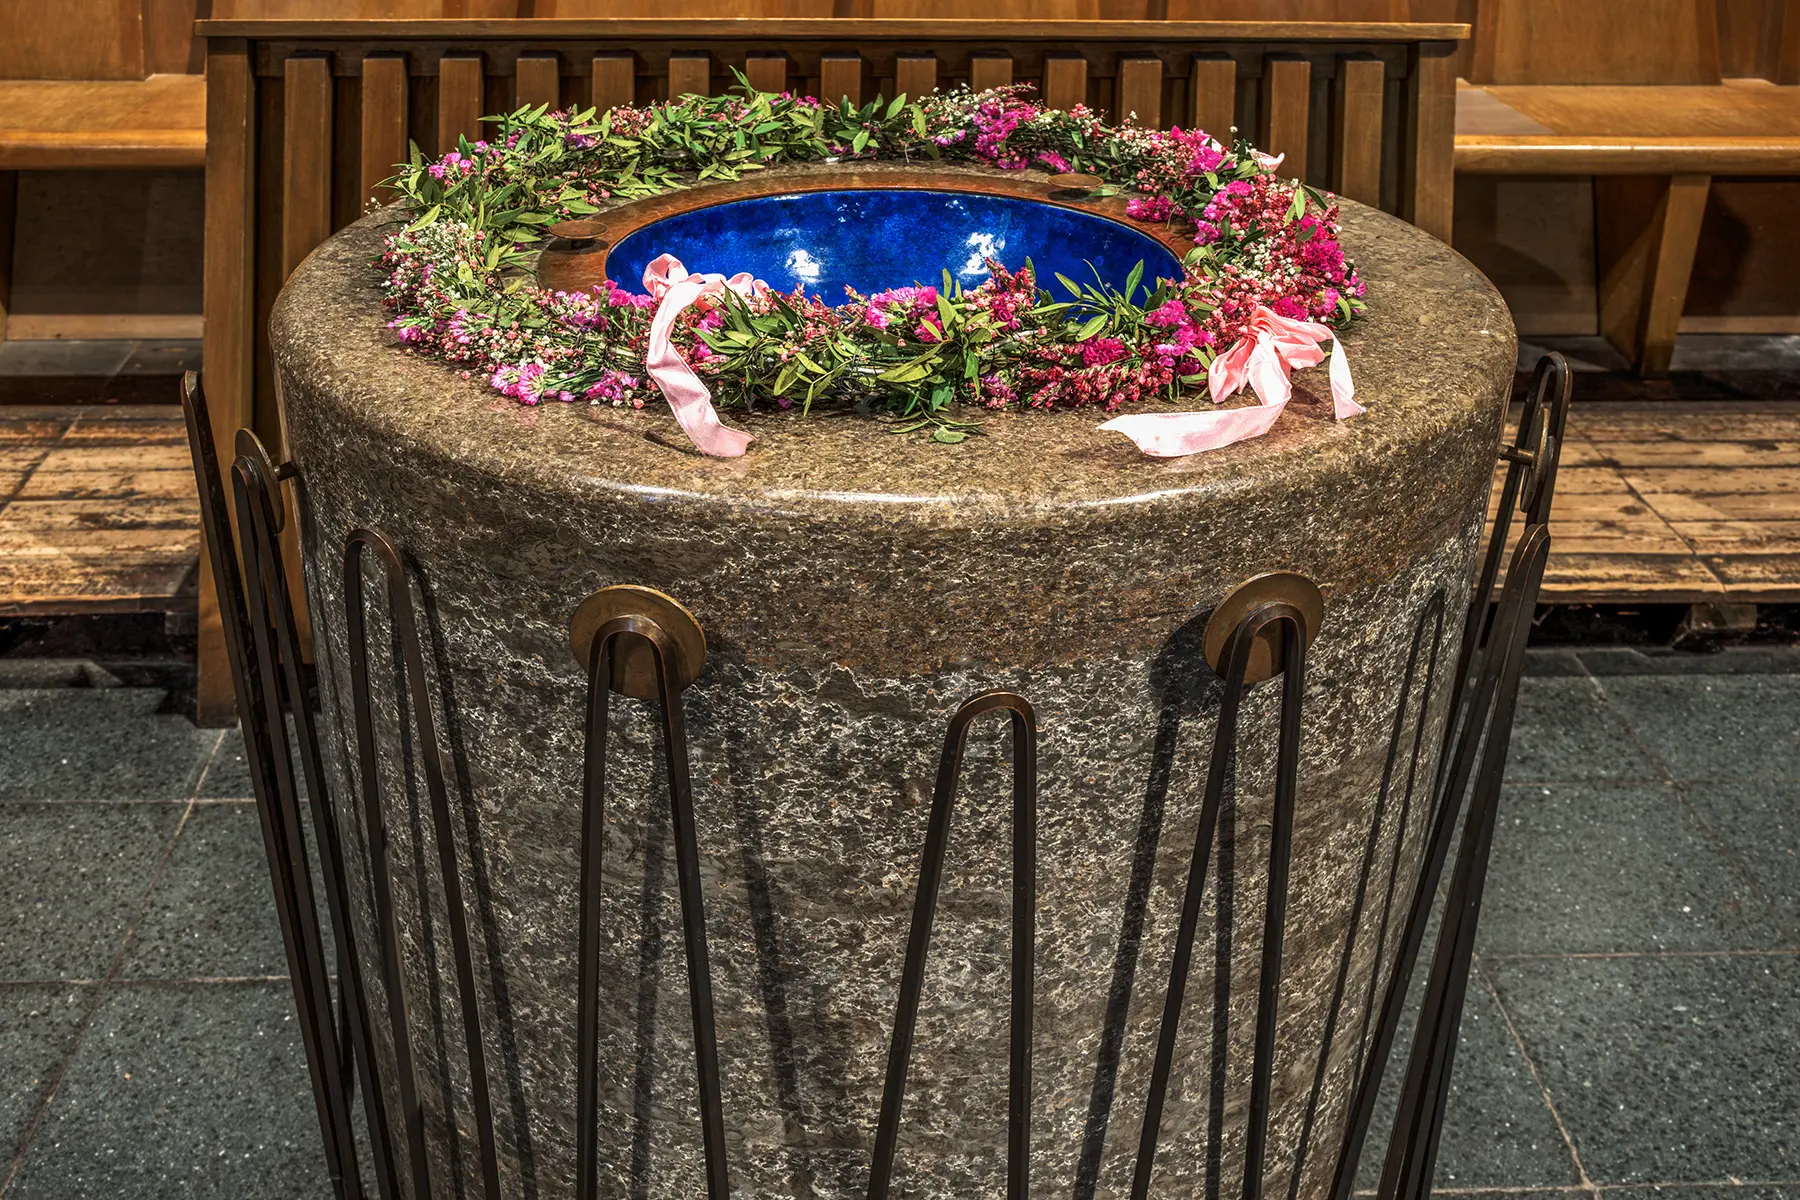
{"x": 899, "y": 103}
{"x": 910, "y": 372}
{"x": 918, "y": 118}
{"x": 1090, "y": 327}
{"x": 431, "y": 214}
{"x": 1074, "y": 288}
{"x": 859, "y": 142}
{"x": 1132, "y": 280}
{"x": 946, "y": 311}
{"x": 948, "y": 437}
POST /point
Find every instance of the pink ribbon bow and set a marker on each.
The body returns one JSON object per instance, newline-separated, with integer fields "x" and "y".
{"x": 669, "y": 281}
{"x": 1271, "y": 348}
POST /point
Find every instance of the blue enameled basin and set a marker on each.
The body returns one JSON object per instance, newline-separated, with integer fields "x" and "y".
{"x": 872, "y": 239}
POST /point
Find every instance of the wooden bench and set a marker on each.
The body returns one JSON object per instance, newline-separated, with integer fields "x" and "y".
{"x": 304, "y": 118}
{"x": 1569, "y": 87}
{"x": 95, "y": 84}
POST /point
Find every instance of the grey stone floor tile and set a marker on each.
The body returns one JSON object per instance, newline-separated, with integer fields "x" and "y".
{"x": 1594, "y": 868}
{"x": 71, "y": 875}
{"x": 1759, "y": 824}
{"x": 98, "y": 744}
{"x": 1666, "y": 1069}
{"x": 1709, "y": 727}
{"x": 1565, "y": 730}
{"x": 228, "y": 774}
{"x": 212, "y": 912}
{"x": 38, "y": 1026}
{"x": 1498, "y": 1132}
{"x": 191, "y": 1091}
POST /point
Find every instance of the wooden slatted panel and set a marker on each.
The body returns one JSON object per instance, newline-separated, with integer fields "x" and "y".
{"x": 990, "y": 71}
{"x": 615, "y": 81}
{"x": 538, "y": 81}
{"x": 306, "y": 160}
{"x": 459, "y": 99}
{"x": 1140, "y": 92}
{"x": 767, "y": 72}
{"x": 840, "y": 76}
{"x": 1356, "y": 144}
{"x": 1212, "y": 95}
{"x": 383, "y": 123}
{"x": 230, "y": 290}
{"x": 1286, "y": 111}
{"x": 916, "y": 74}
{"x": 1428, "y": 174}
{"x": 690, "y": 75}
{"x": 1065, "y": 80}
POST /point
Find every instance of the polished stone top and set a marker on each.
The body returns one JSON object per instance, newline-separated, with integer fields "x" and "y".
{"x": 1430, "y": 361}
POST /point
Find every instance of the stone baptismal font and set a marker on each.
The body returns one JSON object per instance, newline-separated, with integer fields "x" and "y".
{"x": 854, "y": 587}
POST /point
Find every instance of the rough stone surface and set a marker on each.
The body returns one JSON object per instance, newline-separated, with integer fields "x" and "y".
{"x": 855, "y": 587}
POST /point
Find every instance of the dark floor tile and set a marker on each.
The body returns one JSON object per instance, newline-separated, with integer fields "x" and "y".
{"x": 212, "y": 912}
{"x": 1727, "y": 1191}
{"x": 1759, "y": 824}
{"x": 1732, "y": 660}
{"x": 98, "y": 744}
{"x": 228, "y": 774}
{"x": 191, "y": 1091}
{"x": 148, "y": 390}
{"x": 1497, "y": 1130}
{"x": 38, "y": 1026}
{"x": 1564, "y": 730}
{"x": 1587, "y": 868}
{"x": 162, "y": 356}
{"x": 51, "y": 389}
{"x": 71, "y": 356}
{"x": 71, "y": 875}
{"x": 1704, "y": 727}
{"x": 1666, "y": 1069}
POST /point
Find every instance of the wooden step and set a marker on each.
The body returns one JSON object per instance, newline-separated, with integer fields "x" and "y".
{"x": 1677, "y": 503}
{"x": 100, "y": 513}
{"x": 1656, "y": 503}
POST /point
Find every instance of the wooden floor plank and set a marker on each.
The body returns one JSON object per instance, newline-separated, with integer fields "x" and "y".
{"x": 1750, "y": 506}
{"x": 1711, "y": 481}
{"x": 102, "y": 513}
{"x": 1685, "y": 425}
{"x": 1754, "y": 453}
{"x": 1741, "y": 537}
{"x": 1667, "y": 504}
{"x": 1764, "y": 578}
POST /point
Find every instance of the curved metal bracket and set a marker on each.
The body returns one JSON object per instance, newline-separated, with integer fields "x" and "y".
{"x": 1266, "y": 652}
{"x": 634, "y": 670}
{"x": 268, "y": 474}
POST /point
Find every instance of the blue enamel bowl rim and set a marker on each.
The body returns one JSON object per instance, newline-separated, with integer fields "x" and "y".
{"x": 634, "y": 216}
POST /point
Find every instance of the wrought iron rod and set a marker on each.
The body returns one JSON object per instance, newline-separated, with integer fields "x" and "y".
{"x": 604, "y": 650}
{"x": 1269, "y": 617}
{"x": 1024, "y": 931}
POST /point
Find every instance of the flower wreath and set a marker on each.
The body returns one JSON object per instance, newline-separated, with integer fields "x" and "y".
{"x": 1263, "y": 288}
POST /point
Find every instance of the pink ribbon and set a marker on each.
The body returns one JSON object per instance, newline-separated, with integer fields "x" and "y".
{"x": 669, "y": 281}
{"x": 1272, "y": 347}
